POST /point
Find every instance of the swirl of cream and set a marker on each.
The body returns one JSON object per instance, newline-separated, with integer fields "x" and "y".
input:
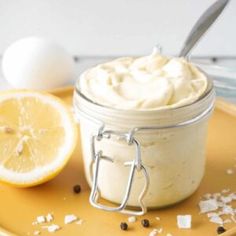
{"x": 146, "y": 83}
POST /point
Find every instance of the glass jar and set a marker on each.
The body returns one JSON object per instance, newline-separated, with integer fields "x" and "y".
{"x": 144, "y": 159}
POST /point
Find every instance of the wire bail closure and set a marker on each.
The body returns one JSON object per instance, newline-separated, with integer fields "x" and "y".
{"x": 135, "y": 165}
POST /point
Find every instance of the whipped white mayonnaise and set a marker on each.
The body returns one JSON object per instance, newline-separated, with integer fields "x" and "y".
{"x": 145, "y": 83}
{"x": 174, "y": 158}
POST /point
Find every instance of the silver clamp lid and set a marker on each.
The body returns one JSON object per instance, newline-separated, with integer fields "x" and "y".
{"x": 135, "y": 165}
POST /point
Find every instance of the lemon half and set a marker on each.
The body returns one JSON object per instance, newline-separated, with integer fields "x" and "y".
{"x": 37, "y": 137}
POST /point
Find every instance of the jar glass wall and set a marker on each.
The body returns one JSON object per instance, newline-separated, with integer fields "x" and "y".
{"x": 172, "y": 147}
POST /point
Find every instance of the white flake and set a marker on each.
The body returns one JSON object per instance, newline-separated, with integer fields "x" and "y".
{"x": 52, "y": 228}
{"x": 233, "y": 196}
{"x": 216, "y": 219}
{"x": 70, "y": 218}
{"x": 228, "y": 210}
{"x": 158, "y": 218}
{"x": 184, "y": 221}
{"x": 227, "y": 199}
{"x": 208, "y": 205}
{"x": 212, "y": 214}
{"x": 41, "y": 219}
{"x": 132, "y": 219}
{"x": 220, "y": 204}
{"x": 49, "y": 217}
{"x": 223, "y": 203}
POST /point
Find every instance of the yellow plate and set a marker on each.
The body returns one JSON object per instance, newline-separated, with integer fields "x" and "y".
{"x": 20, "y": 207}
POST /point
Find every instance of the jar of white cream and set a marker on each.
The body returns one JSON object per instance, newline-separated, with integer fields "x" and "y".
{"x": 143, "y": 124}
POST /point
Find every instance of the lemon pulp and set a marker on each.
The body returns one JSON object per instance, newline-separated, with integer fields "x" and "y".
{"x": 37, "y": 137}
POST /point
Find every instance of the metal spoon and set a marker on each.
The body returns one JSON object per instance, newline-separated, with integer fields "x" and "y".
{"x": 202, "y": 25}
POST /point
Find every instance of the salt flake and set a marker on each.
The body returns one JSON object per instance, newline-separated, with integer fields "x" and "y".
{"x": 216, "y": 219}
{"x": 132, "y": 219}
{"x": 41, "y": 219}
{"x": 208, "y": 205}
{"x": 226, "y": 199}
{"x": 52, "y": 228}
{"x": 70, "y": 218}
{"x": 184, "y": 221}
{"x": 212, "y": 214}
{"x": 228, "y": 210}
{"x": 49, "y": 217}
{"x": 233, "y": 196}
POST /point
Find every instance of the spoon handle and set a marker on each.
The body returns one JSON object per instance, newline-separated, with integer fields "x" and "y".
{"x": 202, "y": 25}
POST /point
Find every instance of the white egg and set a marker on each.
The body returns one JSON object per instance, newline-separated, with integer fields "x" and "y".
{"x": 37, "y": 63}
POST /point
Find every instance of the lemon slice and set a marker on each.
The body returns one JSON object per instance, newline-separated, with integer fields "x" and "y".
{"x": 37, "y": 137}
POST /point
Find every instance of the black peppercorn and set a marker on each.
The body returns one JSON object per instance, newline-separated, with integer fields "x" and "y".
{"x": 145, "y": 223}
{"x": 77, "y": 188}
{"x": 220, "y": 230}
{"x": 123, "y": 226}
